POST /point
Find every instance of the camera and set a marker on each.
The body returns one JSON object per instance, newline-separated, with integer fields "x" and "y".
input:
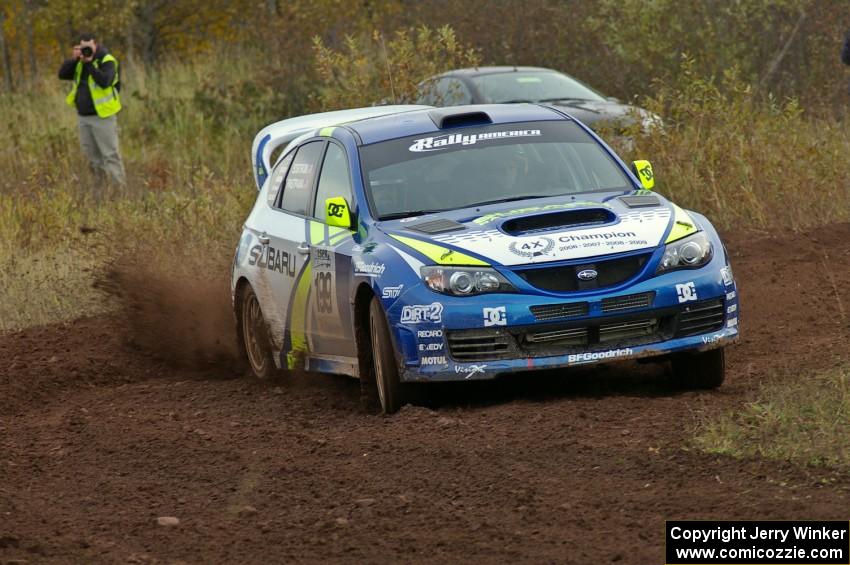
{"x": 86, "y": 51}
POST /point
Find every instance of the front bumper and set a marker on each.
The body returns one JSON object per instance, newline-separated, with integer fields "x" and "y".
{"x": 490, "y": 335}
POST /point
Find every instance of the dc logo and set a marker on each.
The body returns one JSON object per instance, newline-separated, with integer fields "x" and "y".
{"x": 335, "y": 210}
{"x": 686, "y": 292}
{"x": 495, "y": 317}
{"x": 646, "y": 173}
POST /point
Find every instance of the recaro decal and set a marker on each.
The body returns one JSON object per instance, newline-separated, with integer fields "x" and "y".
{"x": 436, "y": 143}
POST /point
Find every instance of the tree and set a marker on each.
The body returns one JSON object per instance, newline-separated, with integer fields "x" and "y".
{"x": 4, "y": 52}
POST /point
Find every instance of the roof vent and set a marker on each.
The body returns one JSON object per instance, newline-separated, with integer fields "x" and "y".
{"x": 446, "y": 118}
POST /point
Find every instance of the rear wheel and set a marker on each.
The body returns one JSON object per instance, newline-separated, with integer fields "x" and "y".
{"x": 700, "y": 371}
{"x": 254, "y": 335}
{"x": 390, "y": 390}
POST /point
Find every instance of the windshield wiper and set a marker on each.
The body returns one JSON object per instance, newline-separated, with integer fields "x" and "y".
{"x": 517, "y": 101}
{"x": 512, "y": 199}
{"x": 397, "y": 215}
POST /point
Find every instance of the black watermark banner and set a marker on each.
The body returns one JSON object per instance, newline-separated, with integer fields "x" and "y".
{"x": 758, "y": 543}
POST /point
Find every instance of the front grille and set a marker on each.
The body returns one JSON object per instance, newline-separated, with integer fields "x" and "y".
{"x": 576, "y": 336}
{"x": 621, "y": 303}
{"x": 476, "y": 345}
{"x": 701, "y": 317}
{"x": 556, "y": 311}
{"x": 627, "y": 330}
{"x": 565, "y": 278}
{"x": 586, "y": 335}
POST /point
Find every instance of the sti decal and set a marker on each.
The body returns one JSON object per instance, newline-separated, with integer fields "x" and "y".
{"x": 391, "y": 291}
{"x": 272, "y": 259}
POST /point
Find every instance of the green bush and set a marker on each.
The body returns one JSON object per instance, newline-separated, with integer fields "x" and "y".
{"x": 371, "y": 69}
{"x": 742, "y": 161}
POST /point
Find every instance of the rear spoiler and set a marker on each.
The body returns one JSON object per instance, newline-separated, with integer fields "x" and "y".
{"x": 281, "y": 133}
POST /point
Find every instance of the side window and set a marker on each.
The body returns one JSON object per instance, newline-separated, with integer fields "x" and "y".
{"x": 334, "y": 180}
{"x": 276, "y": 181}
{"x": 299, "y": 182}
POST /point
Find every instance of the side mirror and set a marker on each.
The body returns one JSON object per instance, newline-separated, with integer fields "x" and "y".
{"x": 643, "y": 171}
{"x": 337, "y": 212}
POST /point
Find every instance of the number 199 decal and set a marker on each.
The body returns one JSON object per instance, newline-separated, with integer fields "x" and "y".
{"x": 324, "y": 292}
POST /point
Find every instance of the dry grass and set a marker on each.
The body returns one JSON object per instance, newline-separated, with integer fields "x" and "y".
{"x": 803, "y": 419}
{"x": 186, "y": 142}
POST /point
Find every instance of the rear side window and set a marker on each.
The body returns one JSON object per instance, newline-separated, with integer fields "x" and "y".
{"x": 334, "y": 180}
{"x": 277, "y": 178}
{"x": 302, "y": 174}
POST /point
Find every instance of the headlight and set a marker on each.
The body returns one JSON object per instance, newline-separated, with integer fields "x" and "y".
{"x": 687, "y": 253}
{"x": 465, "y": 281}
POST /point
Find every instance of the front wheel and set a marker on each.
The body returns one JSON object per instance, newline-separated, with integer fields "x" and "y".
{"x": 385, "y": 369}
{"x": 254, "y": 335}
{"x": 700, "y": 371}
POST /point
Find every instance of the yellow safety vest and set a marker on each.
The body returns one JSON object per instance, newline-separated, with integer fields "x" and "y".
{"x": 106, "y": 100}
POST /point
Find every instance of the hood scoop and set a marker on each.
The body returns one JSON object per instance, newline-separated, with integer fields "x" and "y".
{"x": 558, "y": 221}
{"x": 432, "y": 227}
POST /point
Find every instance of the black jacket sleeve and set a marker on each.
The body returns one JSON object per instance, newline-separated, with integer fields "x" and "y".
{"x": 845, "y": 50}
{"x": 66, "y": 71}
{"x": 104, "y": 75}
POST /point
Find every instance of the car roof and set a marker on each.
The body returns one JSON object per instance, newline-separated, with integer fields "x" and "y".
{"x": 477, "y": 71}
{"x": 382, "y": 128}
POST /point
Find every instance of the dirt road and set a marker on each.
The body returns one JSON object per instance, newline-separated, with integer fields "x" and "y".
{"x": 98, "y": 440}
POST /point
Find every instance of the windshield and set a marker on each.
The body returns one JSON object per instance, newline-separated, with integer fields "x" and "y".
{"x": 532, "y": 86}
{"x": 481, "y": 165}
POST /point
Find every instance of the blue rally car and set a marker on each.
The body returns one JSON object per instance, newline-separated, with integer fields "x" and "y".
{"x": 403, "y": 244}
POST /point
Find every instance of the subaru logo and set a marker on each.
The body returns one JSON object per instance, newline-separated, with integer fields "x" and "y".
{"x": 587, "y": 275}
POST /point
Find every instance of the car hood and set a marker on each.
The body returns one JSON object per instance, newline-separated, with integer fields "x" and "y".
{"x": 542, "y": 230}
{"x": 592, "y": 111}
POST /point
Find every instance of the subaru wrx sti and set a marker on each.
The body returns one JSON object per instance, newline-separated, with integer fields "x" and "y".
{"x": 404, "y": 244}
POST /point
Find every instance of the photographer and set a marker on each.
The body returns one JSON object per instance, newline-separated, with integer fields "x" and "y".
{"x": 95, "y": 94}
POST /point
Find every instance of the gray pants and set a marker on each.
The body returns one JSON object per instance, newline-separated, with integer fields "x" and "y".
{"x": 99, "y": 138}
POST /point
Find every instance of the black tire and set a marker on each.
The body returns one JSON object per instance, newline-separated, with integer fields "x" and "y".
{"x": 700, "y": 371}
{"x": 391, "y": 392}
{"x": 254, "y": 335}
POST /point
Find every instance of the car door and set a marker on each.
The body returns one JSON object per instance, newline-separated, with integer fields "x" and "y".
{"x": 287, "y": 254}
{"x": 330, "y": 313}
